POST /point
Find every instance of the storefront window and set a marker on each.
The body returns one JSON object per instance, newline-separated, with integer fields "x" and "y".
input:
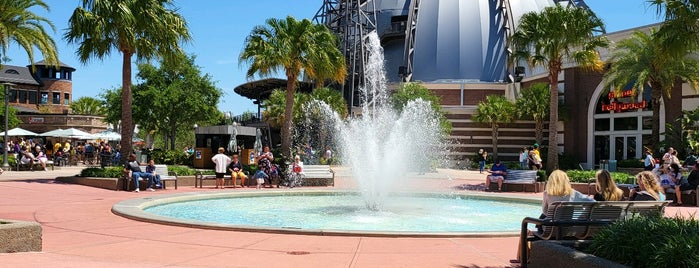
{"x": 44, "y": 98}
{"x": 56, "y": 98}
{"x": 647, "y": 122}
{"x": 626, "y": 123}
{"x": 602, "y": 124}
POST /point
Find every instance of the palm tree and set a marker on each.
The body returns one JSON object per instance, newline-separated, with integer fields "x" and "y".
{"x": 145, "y": 28}
{"x": 494, "y": 111}
{"x": 534, "y": 102}
{"x": 19, "y": 25}
{"x": 293, "y": 46}
{"x": 643, "y": 60}
{"x": 548, "y": 38}
{"x": 679, "y": 32}
{"x": 88, "y": 106}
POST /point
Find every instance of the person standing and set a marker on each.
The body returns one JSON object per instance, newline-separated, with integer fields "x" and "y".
{"x": 482, "y": 156}
{"x": 532, "y": 158}
{"x": 649, "y": 162}
{"x": 222, "y": 161}
{"x": 523, "y": 158}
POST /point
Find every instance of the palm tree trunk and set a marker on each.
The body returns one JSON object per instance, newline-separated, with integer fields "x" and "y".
{"x": 552, "y": 157}
{"x": 539, "y": 131}
{"x": 127, "y": 125}
{"x": 656, "y": 94}
{"x": 288, "y": 115}
{"x": 495, "y": 141}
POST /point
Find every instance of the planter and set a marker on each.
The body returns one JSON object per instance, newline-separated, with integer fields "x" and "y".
{"x": 19, "y": 236}
{"x": 584, "y": 188}
{"x": 556, "y": 253}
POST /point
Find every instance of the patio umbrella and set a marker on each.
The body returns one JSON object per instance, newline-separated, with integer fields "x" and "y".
{"x": 18, "y": 132}
{"x": 108, "y": 135}
{"x": 52, "y": 133}
{"x": 75, "y": 133}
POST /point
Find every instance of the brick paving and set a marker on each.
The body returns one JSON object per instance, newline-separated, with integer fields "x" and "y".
{"x": 79, "y": 230}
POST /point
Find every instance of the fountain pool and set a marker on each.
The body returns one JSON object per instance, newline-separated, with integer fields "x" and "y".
{"x": 323, "y": 212}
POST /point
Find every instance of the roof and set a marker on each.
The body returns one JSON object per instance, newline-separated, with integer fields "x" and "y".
{"x": 261, "y": 89}
{"x": 61, "y": 64}
{"x": 17, "y": 75}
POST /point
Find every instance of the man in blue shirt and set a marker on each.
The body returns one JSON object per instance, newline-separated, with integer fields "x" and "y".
{"x": 497, "y": 174}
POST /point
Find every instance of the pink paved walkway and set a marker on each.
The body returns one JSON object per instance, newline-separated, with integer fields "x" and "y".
{"x": 79, "y": 230}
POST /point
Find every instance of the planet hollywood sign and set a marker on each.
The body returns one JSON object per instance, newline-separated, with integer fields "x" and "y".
{"x": 618, "y": 106}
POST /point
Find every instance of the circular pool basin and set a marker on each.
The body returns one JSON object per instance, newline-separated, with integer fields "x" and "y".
{"x": 335, "y": 213}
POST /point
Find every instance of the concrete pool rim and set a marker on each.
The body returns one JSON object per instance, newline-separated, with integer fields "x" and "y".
{"x": 134, "y": 209}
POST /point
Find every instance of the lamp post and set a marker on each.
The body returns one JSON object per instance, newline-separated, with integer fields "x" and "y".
{"x": 5, "y": 164}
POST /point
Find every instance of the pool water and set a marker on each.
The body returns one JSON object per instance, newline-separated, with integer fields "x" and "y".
{"x": 347, "y": 213}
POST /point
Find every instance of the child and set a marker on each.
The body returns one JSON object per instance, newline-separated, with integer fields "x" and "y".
{"x": 260, "y": 176}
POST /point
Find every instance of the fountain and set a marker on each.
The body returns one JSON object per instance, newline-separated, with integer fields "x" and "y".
{"x": 380, "y": 147}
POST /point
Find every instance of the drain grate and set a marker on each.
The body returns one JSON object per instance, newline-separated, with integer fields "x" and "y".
{"x": 298, "y": 252}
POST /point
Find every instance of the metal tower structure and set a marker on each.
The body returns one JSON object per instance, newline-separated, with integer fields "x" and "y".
{"x": 406, "y": 71}
{"x": 352, "y": 21}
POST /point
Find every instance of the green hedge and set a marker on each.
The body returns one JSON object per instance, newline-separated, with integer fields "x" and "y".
{"x": 107, "y": 172}
{"x": 171, "y": 157}
{"x": 649, "y": 242}
{"x": 589, "y": 176}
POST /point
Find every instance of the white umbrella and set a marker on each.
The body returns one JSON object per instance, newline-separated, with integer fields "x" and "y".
{"x": 108, "y": 135}
{"x": 52, "y": 133}
{"x": 77, "y": 134}
{"x": 18, "y": 132}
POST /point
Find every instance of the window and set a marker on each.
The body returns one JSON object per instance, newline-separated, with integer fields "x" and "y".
{"x": 626, "y": 123}
{"x": 67, "y": 75}
{"x": 44, "y": 98}
{"x": 66, "y": 99}
{"x": 32, "y": 97}
{"x": 11, "y": 71}
{"x": 56, "y": 98}
{"x": 13, "y": 96}
{"x": 22, "y": 96}
{"x": 602, "y": 124}
{"x": 45, "y": 73}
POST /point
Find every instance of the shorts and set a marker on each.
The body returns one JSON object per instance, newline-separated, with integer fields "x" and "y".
{"x": 219, "y": 175}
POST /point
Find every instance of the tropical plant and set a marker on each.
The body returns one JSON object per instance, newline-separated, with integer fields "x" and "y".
{"x": 88, "y": 106}
{"x": 549, "y": 38}
{"x": 410, "y": 91}
{"x": 653, "y": 241}
{"x": 534, "y": 102}
{"x": 18, "y": 24}
{"x": 643, "y": 61}
{"x": 144, "y": 28}
{"x": 679, "y": 32}
{"x": 275, "y": 106}
{"x": 293, "y": 46}
{"x": 495, "y": 110}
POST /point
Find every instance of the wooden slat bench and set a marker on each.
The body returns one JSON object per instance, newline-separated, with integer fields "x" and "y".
{"x": 521, "y": 178}
{"x": 582, "y": 220}
{"x": 199, "y": 179}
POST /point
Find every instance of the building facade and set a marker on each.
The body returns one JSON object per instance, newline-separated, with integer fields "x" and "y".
{"x": 42, "y": 95}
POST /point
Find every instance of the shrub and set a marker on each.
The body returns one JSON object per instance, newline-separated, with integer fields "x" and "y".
{"x": 171, "y": 157}
{"x": 182, "y": 170}
{"x": 586, "y": 176}
{"x": 630, "y": 163}
{"x": 107, "y": 172}
{"x": 649, "y": 242}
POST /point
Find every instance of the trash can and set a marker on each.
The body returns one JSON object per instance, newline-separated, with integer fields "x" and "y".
{"x": 603, "y": 164}
{"x": 612, "y": 165}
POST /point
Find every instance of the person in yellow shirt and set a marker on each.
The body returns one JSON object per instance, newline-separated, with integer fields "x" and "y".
{"x": 56, "y": 147}
{"x": 66, "y": 147}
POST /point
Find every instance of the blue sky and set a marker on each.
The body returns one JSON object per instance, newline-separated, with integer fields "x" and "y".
{"x": 220, "y": 27}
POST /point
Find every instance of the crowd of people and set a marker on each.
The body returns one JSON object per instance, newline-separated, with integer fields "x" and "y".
{"x": 40, "y": 151}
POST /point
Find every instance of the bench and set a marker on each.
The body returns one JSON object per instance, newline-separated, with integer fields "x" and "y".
{"x": 317, "y": 172}
{"x": 199, "y": 179}
{"x": 161, "y": 170}
{"x": 688, "y": 196}
{"x": 32, "y": 165}
{"x": 582, "y": 220}
{"x": 521, "y": 178}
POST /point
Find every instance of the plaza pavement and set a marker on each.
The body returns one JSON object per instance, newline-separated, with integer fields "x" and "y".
{"x": 79, "y": 230}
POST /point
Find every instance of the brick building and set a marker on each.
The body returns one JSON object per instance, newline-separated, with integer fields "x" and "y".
{"x": 42, "y": 95}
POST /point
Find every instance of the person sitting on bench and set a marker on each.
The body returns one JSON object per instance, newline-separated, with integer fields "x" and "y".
{"x": 236, "y": 169}
{"x": 497, "y": 173}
